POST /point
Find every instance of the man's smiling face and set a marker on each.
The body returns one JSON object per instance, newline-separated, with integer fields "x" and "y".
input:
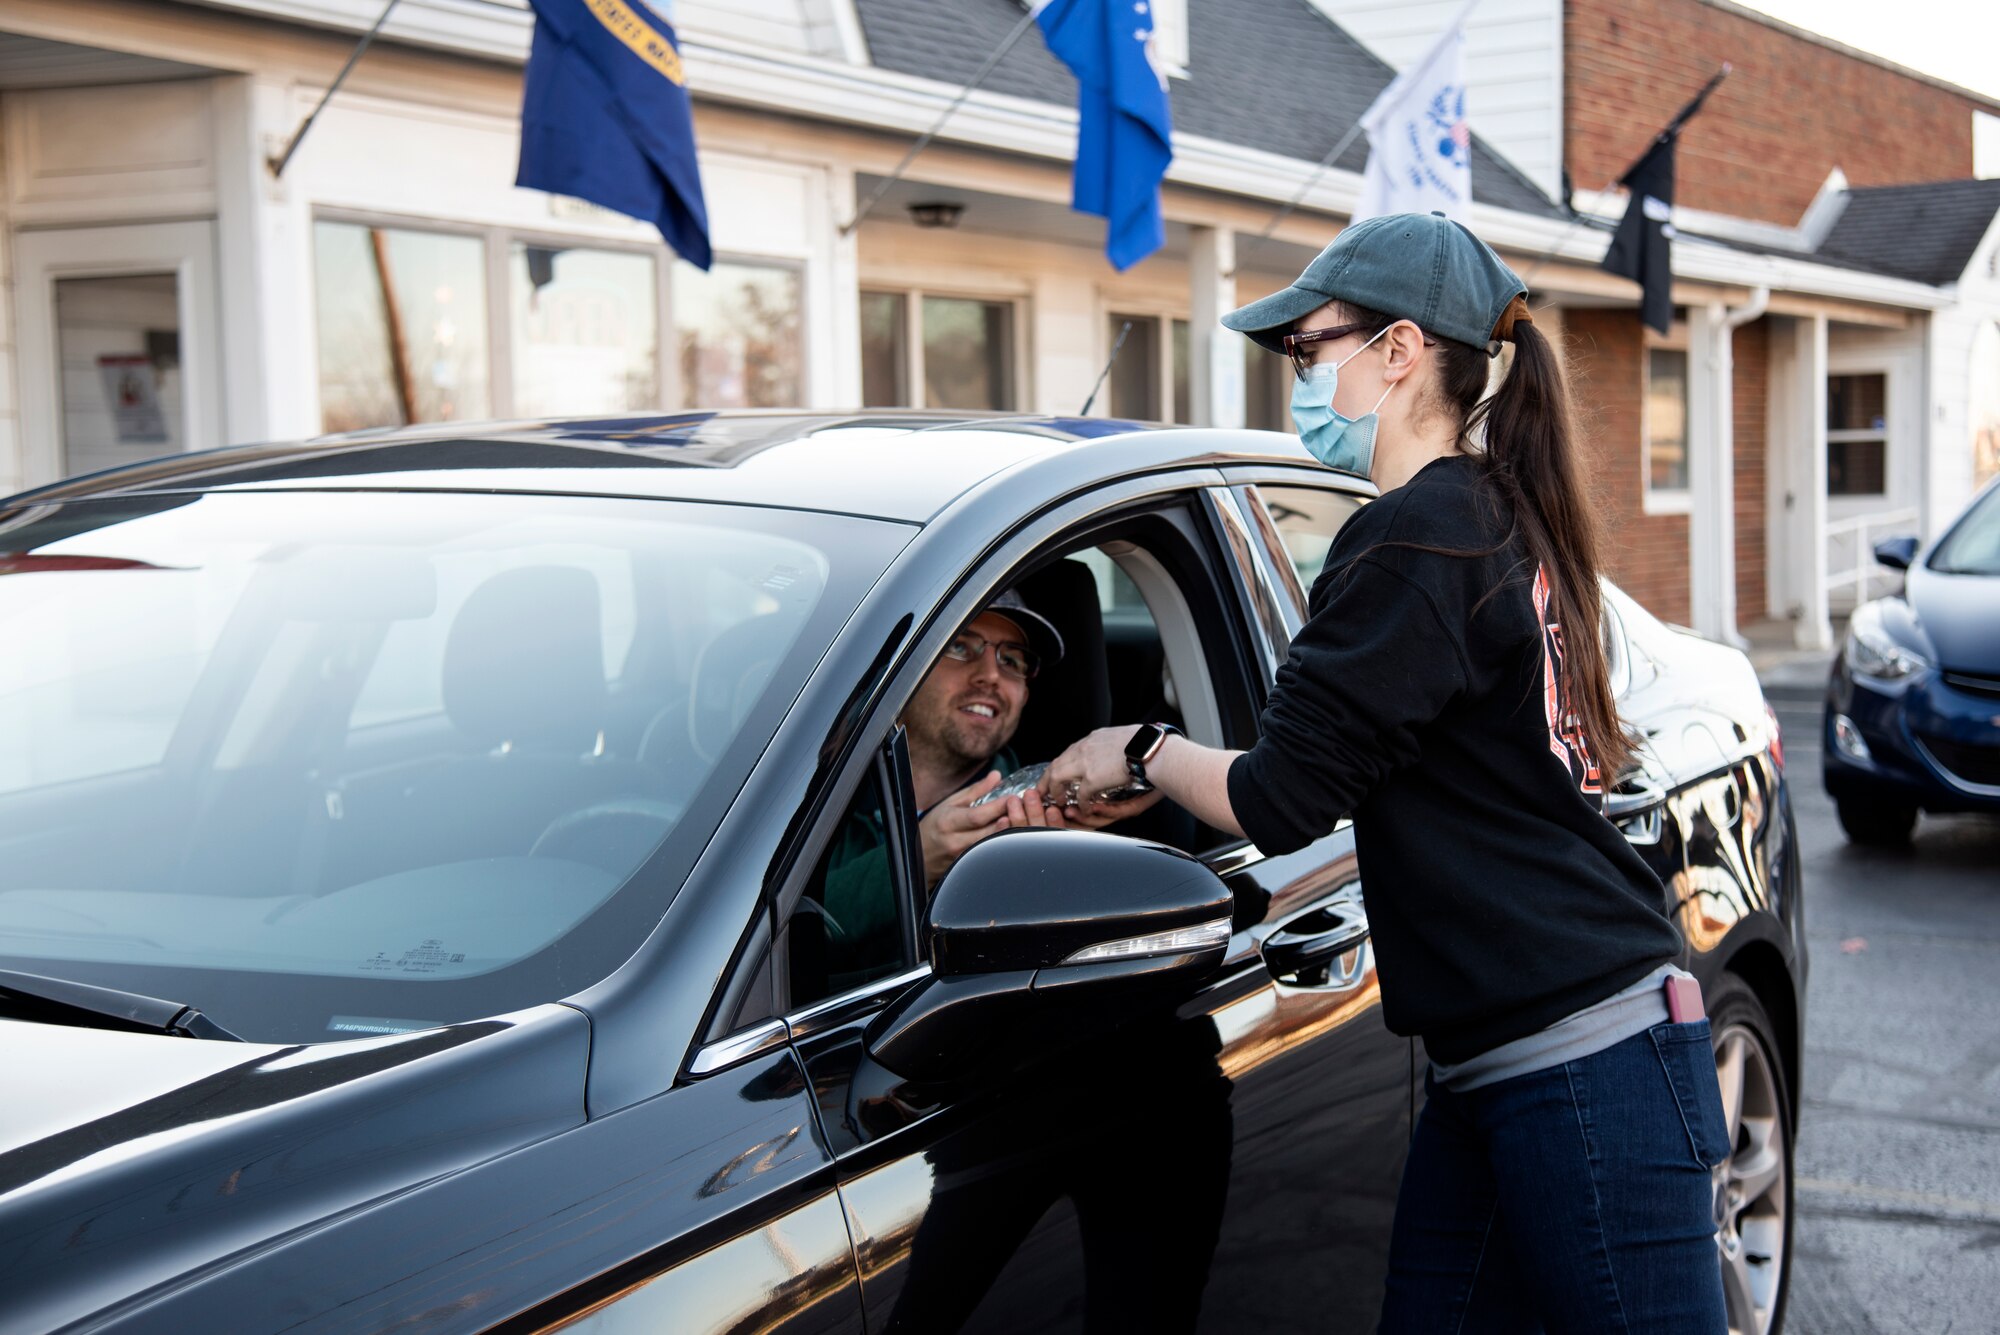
{"x": 964, "y": 712}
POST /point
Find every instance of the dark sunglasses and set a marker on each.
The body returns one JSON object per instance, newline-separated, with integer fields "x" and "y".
{"x": 1299, "y": 347}
{"x": 1016, "y": 660}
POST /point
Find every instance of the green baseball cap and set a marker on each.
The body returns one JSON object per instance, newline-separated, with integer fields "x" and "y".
{"x": 1414, "y": 266}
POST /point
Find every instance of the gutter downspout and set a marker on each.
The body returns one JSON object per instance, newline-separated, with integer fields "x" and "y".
{"x": 1712, "y": 524}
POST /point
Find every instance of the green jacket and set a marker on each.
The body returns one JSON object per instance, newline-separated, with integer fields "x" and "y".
{"x": 859, "y": 895}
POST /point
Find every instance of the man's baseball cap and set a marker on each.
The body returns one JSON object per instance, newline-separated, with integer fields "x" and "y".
{"x": 1043, "y": 637}
{"x": 1414, "y": 266}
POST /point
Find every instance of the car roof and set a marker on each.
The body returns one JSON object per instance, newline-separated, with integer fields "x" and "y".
{"x": 900, "y": 464}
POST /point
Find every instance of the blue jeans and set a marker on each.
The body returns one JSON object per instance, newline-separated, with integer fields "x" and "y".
{"x": 1576, "y": 1199}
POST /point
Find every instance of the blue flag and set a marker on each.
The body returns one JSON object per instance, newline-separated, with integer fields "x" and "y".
{"x": 1124, "y": 137}
{"x": 606, "y": 117}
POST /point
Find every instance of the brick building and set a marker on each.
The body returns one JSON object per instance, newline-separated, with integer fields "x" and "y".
{"x": 1814, "y": 148}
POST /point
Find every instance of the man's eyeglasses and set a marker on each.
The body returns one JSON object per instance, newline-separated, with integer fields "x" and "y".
{"x": 1299, "y": 346}
{"x": 1016, "y": 660}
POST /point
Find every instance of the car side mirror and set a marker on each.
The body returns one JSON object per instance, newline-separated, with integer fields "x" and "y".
{"x": 1049, "y": 925}
{"x": 1897, "y": 553}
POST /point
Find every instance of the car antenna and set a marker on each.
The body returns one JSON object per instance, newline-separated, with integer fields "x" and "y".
{"x": 1116, "y": 348}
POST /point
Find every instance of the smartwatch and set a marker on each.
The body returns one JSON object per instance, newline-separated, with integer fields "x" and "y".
{"x": 1145, "y": 744}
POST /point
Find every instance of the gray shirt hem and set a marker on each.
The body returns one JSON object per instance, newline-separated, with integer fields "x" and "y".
{"x": 1572, "y": 1038}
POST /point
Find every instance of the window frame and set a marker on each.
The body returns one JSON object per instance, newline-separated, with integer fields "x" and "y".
{"x": 887, "y": 764}
{"x": 1163, "y": 314}
{"x": 672, "y": 390}
{"x": 1665, "y": 500}
{"x": 1018, "y": 352}
{"x": 498, "y": 241}
{"x": 1857, "y": 435}
{"x": 1178, "y": 500}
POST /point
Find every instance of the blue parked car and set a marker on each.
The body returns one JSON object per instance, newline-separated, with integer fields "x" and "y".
{"x": 1913, "y": 705}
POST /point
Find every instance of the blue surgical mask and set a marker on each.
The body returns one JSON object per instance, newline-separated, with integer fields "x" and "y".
{"x": 1345, "y": 443}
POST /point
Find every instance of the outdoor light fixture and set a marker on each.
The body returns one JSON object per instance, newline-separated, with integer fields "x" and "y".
{"x": 940, "y": 214}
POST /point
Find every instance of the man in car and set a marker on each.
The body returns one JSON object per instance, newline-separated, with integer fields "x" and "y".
{"x": 957, "y": 725}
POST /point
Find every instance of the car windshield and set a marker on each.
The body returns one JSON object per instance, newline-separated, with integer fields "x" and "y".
{"x": 1973, "y": 545}
{"x": 333, "y": 764}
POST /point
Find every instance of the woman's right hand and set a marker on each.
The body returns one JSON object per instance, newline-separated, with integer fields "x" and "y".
{"x": 1092, "y": 765}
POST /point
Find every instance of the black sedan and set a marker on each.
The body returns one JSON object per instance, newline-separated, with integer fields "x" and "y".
{"x": 413, "y": 852}
{"x": 1912, "y": 715}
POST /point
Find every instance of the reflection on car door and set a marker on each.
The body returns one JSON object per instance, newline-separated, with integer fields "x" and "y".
{"x": 1206, "y": 1166}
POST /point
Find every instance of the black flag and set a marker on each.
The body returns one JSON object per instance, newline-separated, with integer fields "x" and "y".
{"x": 1640, "y": 250}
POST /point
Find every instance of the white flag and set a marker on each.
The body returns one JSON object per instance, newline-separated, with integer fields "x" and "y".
{"x": 1419, "y": 147}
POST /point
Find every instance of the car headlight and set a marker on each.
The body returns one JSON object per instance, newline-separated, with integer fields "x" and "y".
{"x": 1873, "y": 653}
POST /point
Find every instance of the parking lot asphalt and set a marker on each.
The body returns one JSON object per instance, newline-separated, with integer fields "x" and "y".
{"x": 1898, "y": 1154}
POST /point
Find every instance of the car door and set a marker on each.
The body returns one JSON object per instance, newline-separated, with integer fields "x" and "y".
{"x": 1222, "y": 1161}
{"x": 1323, "y": 1087}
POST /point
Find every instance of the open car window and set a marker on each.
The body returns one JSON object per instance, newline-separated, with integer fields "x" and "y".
{"x": 1146, "y": 640}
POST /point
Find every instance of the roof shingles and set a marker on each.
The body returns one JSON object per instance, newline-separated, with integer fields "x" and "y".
{"x": 1925, "y": 232}
{"x": 1274, "y": 75}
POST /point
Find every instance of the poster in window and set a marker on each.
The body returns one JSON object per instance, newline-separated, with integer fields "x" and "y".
{"x": 132, "y": 393}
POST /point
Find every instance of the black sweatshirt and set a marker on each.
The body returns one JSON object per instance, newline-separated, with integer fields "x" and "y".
{"x": 1500, "y": 897}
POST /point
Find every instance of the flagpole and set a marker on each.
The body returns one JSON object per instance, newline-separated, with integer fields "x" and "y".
{"x": 1675, "y": 126}
{"x": 1020, "y": 30}
{"x": 1576, "y": 220}
{"x": 1353, "y": 131}
{"x": 278, "y": 163}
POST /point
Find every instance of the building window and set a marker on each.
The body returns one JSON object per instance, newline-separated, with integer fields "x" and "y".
{"x": 885, "y": 350}
{"x": 1857, "y": 434}
{"x": 1135, "y": 375}
{"x": 1182, "y": 374}
{"x": 585, "y": 330}
{"x": 402, "y": 326}
{"x": 1150, "y": 380}
{"x": 960, "y": 351}
{"x": 968, "y": 354}
{"x": 1665, "y": 443}
{"x": 415, "y": 327}
{"x": 740, "y": 330}
{"x": 1267, "y": 389}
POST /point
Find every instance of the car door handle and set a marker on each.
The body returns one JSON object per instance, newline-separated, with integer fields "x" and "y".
{"x": 1317, "y": 940}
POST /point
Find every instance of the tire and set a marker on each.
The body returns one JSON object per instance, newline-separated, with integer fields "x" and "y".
{"x": 1877, "y": 824}
{"x": 1754, "y": 1184}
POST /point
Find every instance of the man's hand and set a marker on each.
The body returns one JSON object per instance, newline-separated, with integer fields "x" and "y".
{"x": 954, "y": 825}
{"x": 1028, "y": 809}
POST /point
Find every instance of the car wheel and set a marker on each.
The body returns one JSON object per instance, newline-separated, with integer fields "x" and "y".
{"x": 1877, "y": 824}
{"x": 1753, "y": 1186}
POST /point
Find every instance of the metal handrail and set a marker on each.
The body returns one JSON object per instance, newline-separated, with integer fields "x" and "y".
{"x": 1864, "y": 551}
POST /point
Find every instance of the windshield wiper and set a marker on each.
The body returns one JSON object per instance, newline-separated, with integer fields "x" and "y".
{"x": 65, "y": 1000}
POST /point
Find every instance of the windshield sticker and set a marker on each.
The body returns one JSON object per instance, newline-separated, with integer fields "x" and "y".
{"x": 426, "y": 958}
{"x": 375, "y": 1024}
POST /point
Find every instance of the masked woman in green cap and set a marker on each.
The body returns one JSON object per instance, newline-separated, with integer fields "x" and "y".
{"x": 1450, "y": 693}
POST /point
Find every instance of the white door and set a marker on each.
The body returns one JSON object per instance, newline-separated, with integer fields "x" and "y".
{"x": 1874, "y": 464}
{"x": 118, "y": 346}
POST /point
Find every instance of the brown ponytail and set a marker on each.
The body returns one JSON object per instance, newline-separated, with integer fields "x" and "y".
{"x": 1533, "y": 472}
{"x": 1531, "y": 461}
